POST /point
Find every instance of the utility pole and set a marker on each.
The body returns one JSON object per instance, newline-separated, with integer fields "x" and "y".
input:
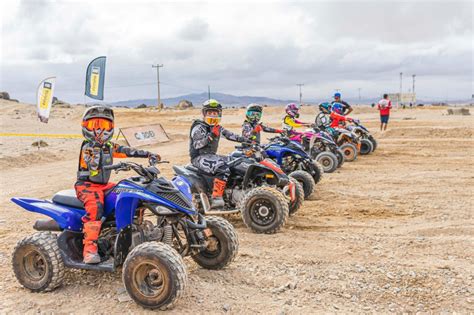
{"x": 301, "y": 95}
{"x": 400, "y": 95}
{"x": 359, "y": 95}
{"x": 158, "y": 66}
{"x": 413, "y": 89}
{"x": 208, "y": 92}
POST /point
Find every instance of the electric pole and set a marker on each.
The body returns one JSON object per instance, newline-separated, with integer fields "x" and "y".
{"x": 208, "y": 92}
{"x": 359, "y": 95}
{"x": 400, "y": 95}
{"x": 301, "y": 95}
{"x": 413, "y": 89}
{"x": 158, "y": 66}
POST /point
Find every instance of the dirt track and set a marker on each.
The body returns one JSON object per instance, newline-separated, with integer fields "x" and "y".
{"x": 390, "y": 232}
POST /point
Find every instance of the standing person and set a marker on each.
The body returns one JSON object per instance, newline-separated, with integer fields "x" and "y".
{"x": 204, "y": 140}
{"x": 346, "y": 108}
{"x": 252, "y": 126}
{"x": 384, "y": 107}
{"x": 92, "y": 179}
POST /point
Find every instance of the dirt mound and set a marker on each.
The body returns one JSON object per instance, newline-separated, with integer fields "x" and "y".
{"x": 36, "y": 158}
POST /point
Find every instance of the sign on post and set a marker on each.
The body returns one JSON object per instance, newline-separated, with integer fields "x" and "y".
{"x": 144, "y": 135}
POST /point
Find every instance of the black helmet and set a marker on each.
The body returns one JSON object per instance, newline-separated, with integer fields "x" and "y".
{"x": 212, "y": 104}
{"x": 98, "y": 124}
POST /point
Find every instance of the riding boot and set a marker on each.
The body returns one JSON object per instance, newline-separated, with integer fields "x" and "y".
{"x": 217, "y": 193}
{"x": 91, "y": 234}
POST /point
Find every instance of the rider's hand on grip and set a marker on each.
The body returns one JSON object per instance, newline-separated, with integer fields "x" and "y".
{"x": 154, "y": 158}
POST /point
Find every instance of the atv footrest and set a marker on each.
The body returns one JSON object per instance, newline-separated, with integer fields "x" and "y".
{"x": 107, "y": 265}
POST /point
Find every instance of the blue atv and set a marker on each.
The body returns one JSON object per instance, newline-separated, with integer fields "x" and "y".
{"x": 294, "y": 161}
{"x": 149, "y": 223}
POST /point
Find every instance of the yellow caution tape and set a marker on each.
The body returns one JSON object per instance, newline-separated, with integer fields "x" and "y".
{"x": 44, "y": 135}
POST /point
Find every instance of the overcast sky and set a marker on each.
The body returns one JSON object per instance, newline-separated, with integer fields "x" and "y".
{"x": 239, "y": 48}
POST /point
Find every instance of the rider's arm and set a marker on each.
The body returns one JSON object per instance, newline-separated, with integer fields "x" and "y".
{"x": 91, "y": 158}
{"x": 121, "y": 151}
{"x": 270, "y": 129}
{"x": 292, "y": 122}
{"x": 229, "y": 135}
{"x": 200, "y": 137}
{"x": 347, "y": 108}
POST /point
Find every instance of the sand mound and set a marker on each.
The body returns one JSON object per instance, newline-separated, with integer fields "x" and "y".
{"x": 28, "y": 159}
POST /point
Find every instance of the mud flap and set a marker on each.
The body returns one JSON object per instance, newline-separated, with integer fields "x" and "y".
{"x": 122, "y": 245}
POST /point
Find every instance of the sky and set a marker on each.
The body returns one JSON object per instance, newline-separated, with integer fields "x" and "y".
{"x": 241, "y": 48}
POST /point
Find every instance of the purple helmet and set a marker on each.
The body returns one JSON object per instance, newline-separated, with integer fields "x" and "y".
{"x": 292, "y": 110}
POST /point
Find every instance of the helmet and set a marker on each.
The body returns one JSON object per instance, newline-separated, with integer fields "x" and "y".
{"x": 212, "y": 105}
{"x": 325, "y": 107}
{"x": 98, "y": 124}
{"x": 337, "y": 94}
{"x": 293, "y": 110}
{"x": 254, "y": 112}
{"x": 337, "y": 108}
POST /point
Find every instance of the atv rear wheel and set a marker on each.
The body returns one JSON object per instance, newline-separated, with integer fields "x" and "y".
{"x": 296, "y": 204}
{"x": 306, "y": 180}
{"x": 154, "y": 275}
{"x": 350, "y": 151}
{"x": 222, "y": 245}
{"x": 366, "y": 147}
{"x": 319, "y": 170}
{"x": 264, "y": 210}
{"x": 37, "y": 262}
{"x": 328, "y": 160}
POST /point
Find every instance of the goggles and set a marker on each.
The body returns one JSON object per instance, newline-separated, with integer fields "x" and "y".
{"x": 254, "y": 114}
{"x": 98, "y": 124}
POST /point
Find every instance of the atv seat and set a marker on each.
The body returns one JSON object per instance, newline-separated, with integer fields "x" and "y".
{"x": 194, "y": 169}
{"x": 68, "y": 198}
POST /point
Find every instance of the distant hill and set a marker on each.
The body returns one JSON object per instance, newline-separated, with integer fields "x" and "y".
{"x": 199, "y": 98}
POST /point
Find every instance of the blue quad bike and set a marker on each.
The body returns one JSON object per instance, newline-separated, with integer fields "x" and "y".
{"x": 149, "y": 223}
{"x": 294, "y": 161}
{"x": 257, "y": 189}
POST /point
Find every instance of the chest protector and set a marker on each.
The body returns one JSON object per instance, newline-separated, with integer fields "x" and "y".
{"x": 104, "y": 157}
{"x": 210, "y": 148}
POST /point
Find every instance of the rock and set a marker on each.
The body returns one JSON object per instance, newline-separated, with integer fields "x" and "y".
{"x": 226, "y": 307}
{"x": 40, "y": 144}
{"x": 4, "y": 95}
{"x": 184, "y": 104}
{"x": 124, "y": 298}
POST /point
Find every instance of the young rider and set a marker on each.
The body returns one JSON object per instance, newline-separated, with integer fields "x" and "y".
{"x": 323, "y": 119}
{"x": 204, "y": 141}
{"x": 92, "y": 179}
{"x": 252, "y": 127}
{"x": 346, "y": 108}
{"x": 290, "y": 120}
{"x": 337, "y": 116}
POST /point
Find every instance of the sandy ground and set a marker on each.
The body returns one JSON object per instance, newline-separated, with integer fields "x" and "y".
{"x": 390, "y": 232}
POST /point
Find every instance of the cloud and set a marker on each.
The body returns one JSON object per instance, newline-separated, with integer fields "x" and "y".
{"x": 241, "y": 48}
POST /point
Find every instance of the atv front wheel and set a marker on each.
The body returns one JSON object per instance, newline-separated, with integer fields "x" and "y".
{"x": 222, "y": 245}
{"x": 306, "y": 180}
{"x": 264, "y": 210}
{"x": 37, "y": 262}
{"x": 374, "y": 142}
{"x": 319, "y": 170}
{"x": 340, "y": 158}
{"x": 328, "y": 160}
{"x": 366, "y": 147}
{"x": 296, "y": 204}
{"x": 154, "y": 275}
{"x": 350, "y": 151}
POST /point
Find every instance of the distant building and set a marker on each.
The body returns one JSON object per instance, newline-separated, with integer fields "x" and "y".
{"x": 406, "y": 98}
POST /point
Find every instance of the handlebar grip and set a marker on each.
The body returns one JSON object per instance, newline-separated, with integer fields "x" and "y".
{"x": 112, "y": 167}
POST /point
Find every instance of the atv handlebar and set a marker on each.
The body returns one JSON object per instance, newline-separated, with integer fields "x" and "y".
{"x": 150, "y": 172}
